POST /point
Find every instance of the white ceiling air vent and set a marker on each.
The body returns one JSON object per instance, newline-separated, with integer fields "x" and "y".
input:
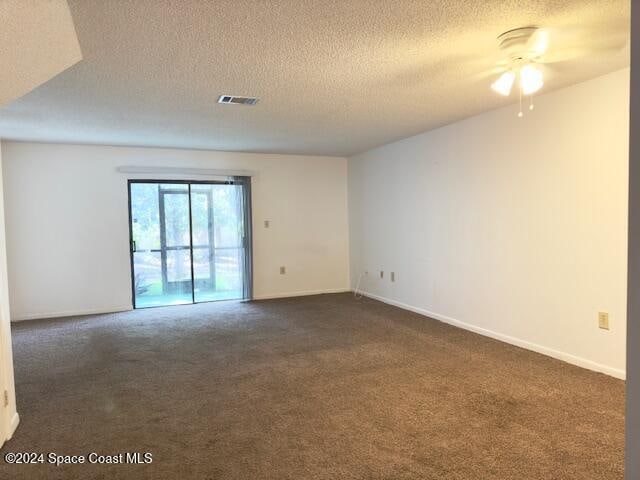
{"x": 236, "y": 100}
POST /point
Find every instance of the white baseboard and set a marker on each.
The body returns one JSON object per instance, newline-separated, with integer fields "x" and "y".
{"x": 15, "y": 420}
{"x": 300, "y": 294}
{"x": 566, "y": 357}
{"x": 13, "y": 424}
{"x": 126, "y": 308}
{"x": 550, "y": 352}
{"x": 72, "y": 313}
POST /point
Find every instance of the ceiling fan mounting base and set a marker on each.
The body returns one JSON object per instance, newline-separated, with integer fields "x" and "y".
{"x": 516, "y": 44}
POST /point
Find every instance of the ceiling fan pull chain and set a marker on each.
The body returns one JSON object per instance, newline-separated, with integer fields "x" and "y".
{"x": 520, "y": 95}
{"x": 531, "y": 102}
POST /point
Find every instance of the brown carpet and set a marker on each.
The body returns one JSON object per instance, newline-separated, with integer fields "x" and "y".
{"x": 322, "y": 387}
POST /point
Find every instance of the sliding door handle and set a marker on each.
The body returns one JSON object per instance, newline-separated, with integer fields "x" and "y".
{"x": 133, "y": 246}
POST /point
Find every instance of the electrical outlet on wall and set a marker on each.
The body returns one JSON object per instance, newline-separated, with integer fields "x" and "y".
{"x": 266, "y": 224}
{"x": 603, "y": 320}
{"x": 283, "y": 270}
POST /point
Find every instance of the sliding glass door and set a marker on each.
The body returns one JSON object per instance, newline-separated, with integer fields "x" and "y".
{"x": 190, "y": 241}
{"x": 218, "y": 249}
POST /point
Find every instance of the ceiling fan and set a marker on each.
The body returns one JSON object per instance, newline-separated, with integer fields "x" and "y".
{"x": 523, "y": 49}
{"x": 528, "y": 51}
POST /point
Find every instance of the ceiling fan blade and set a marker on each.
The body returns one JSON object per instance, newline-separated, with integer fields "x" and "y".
{"x": 571, "y": 43}
{"x": 577, "y": 53}
{"x": 538, "y": 43}
{"x": 489, "y": 73}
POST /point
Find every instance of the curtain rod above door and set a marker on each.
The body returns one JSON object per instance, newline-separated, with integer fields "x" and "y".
{"x": 186, "y": 171}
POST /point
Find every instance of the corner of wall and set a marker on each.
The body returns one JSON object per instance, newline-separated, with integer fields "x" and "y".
{"x": 9, "y": 416}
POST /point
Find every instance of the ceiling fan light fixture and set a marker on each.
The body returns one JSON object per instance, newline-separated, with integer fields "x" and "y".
{"x": 530, "y": 79}
{"x": 504, "y": 83}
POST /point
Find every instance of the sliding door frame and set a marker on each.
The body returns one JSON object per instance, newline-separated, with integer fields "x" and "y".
{"x": 247, "y": 238}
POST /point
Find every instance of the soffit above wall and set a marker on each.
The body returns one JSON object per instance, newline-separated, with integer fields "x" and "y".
{"x": 37, "y": 42}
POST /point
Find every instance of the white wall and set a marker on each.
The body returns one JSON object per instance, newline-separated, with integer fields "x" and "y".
{"x": 8, "y": 416}
{"x": 515, "y": 228}
{"x": 67, "y": 223}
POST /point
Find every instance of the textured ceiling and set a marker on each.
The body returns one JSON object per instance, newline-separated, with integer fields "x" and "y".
{"x": 37, "y": 42}
{"x": 335, "y": 77}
